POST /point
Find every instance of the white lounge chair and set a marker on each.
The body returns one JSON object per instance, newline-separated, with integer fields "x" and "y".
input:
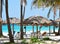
{"x": 54, "y": 38}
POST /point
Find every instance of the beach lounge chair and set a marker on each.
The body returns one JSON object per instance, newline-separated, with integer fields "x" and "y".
{"x": 43, "y": 34}
{"x": 17, "y": 36}
{"x": 56, "y": 38}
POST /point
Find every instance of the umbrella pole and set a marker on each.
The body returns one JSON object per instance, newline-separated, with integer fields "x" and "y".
{"x": 40, "y": 29}
{"x": 25, "y": 29}
{"x": 49, "y": 30}
{"x": 33, "y": 28}
{"x": 37, "y": 30}
{"x": 13, "y": 29}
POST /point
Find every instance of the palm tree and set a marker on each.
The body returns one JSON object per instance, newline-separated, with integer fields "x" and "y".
{"x": 24, "y": 5}
{"x": 54, "y": 9}
{"x": 8, "y": 22}
{"x": 1, "y": 4}
{"x": 22, "y": 16}
{"x": 54, "y": 18}
{"x": 57, "y": 4}
{"x": 59, "y": 23}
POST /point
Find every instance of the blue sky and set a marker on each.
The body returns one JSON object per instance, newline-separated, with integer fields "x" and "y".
{"x": 14, "y": 10}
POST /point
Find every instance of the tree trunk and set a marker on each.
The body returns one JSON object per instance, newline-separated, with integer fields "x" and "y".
{"x": 37, "y": 30}
{"x": 1, "y": 18}
{"x": 8, "y": 23}
{"x": 54, "y": 26}
{"x": 21, "y": 26}
{"x": 54, "y": 18}
{"x": 24, "y": 13}
{"x": 59, "y": 23}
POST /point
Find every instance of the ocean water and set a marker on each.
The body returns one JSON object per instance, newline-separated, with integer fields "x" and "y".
{"x": 28, "y": 28}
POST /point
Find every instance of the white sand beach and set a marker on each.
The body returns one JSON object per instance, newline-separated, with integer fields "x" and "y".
{"x": 28, "y": 33}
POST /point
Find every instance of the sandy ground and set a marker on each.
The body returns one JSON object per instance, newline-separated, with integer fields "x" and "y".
{"x": 28, "y": 40}
{"x": 2, "y": 40}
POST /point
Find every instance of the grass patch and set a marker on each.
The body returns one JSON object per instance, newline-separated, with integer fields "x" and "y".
{"x": 34, "y": 39}
{"x": 24, "y": 41}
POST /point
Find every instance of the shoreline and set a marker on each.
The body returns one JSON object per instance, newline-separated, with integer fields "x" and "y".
{"x": 29, "y": 32}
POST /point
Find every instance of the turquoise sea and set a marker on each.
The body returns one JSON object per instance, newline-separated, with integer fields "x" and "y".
{"x": 28, "y": 28}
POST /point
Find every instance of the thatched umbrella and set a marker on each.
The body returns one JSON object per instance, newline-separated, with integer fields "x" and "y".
{"x": 57, "y": 20}
{"x": 12, "y": 21}
{"x": 25, "y": 22}
{"x": 45, "y": 21}
{"x": 54, "y": 22}
{"x": 0, "y": 20}
{"x": 37, "y": 20}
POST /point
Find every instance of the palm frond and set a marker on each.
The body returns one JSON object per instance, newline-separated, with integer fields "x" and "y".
{"x": 34, "y": 2}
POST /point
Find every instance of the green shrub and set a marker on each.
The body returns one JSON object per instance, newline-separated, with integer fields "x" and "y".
{"x": 34, "y": 39}
{"x": 46, "y": 38}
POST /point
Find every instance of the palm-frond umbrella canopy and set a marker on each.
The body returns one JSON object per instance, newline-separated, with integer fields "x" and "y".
{"x": 0, "y": 20}
{"x": 54, "y": 22}
{"x": 13, "y": 20}
{"x": 57, "y": 20}
{"x": 44, "y": 20}
{"x": 37, "y": 20}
